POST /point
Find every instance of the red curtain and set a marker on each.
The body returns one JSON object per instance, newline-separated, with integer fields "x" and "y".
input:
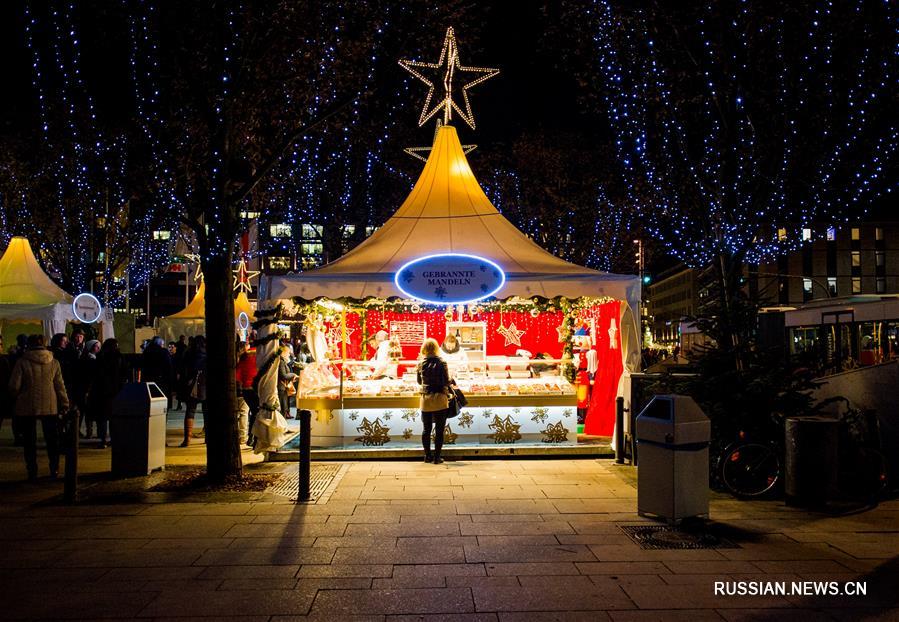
{"x": 606, "y": 318}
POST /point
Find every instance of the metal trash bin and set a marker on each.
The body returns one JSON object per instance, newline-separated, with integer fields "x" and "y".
{"x": 138, "y": 429}
{"x": 673, "y": 473}
{"x": 811, "y": 457}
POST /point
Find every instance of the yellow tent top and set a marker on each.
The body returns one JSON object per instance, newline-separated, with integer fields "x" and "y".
{"x": 23, "y": 282}
{"x": 196, "y": 310}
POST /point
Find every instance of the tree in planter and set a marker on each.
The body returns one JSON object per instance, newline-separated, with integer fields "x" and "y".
{"x": 731, "y": 123}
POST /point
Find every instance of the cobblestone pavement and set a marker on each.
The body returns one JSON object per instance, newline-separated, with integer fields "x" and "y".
{"x": 469, "y": 540}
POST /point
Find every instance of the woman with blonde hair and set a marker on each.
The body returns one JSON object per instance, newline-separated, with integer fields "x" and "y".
{"x": 435, "y": 382}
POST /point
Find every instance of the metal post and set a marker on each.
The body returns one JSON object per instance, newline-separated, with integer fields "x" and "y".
{"x": 305, "y": 455}
{"x": 619, "y": 430}
{"x": 70, "y": 485}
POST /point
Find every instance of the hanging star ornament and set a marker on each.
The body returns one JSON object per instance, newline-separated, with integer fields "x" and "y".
{"x": 563, "y": 331}
{"x": 511, "y": 334}
{"x": 449, "y": 63}
{"x": 242, "y": 277}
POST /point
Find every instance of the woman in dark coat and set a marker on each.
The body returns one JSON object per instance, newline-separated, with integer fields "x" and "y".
{"x": 195, "y": 384}
{"x": 110, "y": 373}
{"x": 434, "y": 379}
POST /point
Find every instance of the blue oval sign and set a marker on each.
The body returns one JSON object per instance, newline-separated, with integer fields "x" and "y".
{"x": 449, "y": 278}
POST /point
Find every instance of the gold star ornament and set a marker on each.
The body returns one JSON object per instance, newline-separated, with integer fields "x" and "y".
{"x": 449, "y": 64}
{"x": 242, "y": 277}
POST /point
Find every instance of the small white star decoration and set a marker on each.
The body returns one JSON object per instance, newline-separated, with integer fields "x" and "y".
{"x": 511, "y": 334}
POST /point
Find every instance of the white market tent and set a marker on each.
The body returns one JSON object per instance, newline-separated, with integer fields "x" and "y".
{"x": 448, "y": 212}
{"x": 191, "y": 320}
{"x": 27, "y": 294}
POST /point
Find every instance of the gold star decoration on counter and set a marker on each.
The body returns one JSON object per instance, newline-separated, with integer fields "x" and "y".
{"x": 504, "y": 430}
{"x": 511, "y": 334}
{"x": 449, "y": 62}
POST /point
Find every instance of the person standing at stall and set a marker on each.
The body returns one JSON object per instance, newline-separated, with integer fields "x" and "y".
{"x": 40, "y": 393}
{"x": 247, "y": 401}
{"x": 110, "y": 375}
{"x": 435, "y": 382}
{"x": 286, "y": 379}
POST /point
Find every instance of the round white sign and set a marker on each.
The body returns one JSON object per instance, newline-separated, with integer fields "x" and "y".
{"x": 449, "y": 278}
{"x": 87, "y": 308}
{"x": 243, "y": 320}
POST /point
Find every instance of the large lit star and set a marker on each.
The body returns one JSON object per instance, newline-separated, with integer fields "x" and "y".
{"x": 449, "y": 61}
{"x": 242, "y": 277}
{"x": 511, "y": 334}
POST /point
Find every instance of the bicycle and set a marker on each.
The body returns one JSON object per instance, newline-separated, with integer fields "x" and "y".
{"x": 750, "y": 468}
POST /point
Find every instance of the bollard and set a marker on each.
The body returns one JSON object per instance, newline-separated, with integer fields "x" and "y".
{"x": 70, "y": 484}
{"x": 305, "y": 455}
{"x": 619, "y": 430}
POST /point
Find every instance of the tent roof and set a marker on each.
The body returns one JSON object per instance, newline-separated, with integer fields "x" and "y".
{"x": 196, "y": 310}
{"x": 447, "y": 211}
{"x": 23, "y": 282}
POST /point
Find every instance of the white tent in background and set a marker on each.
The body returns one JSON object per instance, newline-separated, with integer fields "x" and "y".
{"x": 191, "y": 320}
{"x": 27, "y": 294}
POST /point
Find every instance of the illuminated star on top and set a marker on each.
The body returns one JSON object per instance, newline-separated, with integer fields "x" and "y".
{"x": 449, "y": 62}
{"x": 242, "y": 277}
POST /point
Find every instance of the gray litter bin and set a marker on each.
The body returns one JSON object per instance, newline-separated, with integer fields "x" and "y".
{"x": 138, "y": 429}
{"x": 673, "y": 445}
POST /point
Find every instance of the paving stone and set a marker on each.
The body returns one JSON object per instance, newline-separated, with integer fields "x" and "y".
{"x": 262, "y": 601}
{"x": 694, "y": 597}
{"x": 710, "y": 567}
{"x": 619, "y": 568}
{"x": 345, "y": 570}
{"x": 479, "y": 581}
{"x": 515, "y": 529}
{"x": 628, "y": 579}
{"x": 251, "y": 530}
{"x": 549, "y": 598}
{"x": 801, "y": 566}
{"x": 335, "y": 583}
{"x": 554, "y": 616}
{"x": 163, "y": 585}
{"x": 260, "y": 556}
{"x": 440, "y": 570}
{"x": 394, "y": 583}
{"x": 401, "y": 555}
{"x": 506, "y": 518}
{"x": 445, "y": 617}
{"x": 537, "y": 540}
{"x": 249, "y": 572}
{"x": 531, "y": 568}
{"x": 631, "y": 552}
{"x": 128, "y": 558}
{"x": 416, "y": 528}
{"x": 69, "y": 604}
{"x": 687, "y": 615}
{"x": 159, "y": 573}
{"x": 249, "y": 583}
{"x": 570, "y": 553}
{"x": 446, "y": 600}
{"x": 286, "y": 542}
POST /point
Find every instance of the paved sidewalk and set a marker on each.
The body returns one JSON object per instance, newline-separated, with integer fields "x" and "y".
{"x": 474, "y": 540}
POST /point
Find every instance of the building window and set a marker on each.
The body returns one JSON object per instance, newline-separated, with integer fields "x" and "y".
{"x": 832, "y": 285}
{"x": 881, "y": 284}
{"x": 878, "y": 233}
{"x": 369, "y": 230}
{"x": 280, "y": 263}
{"x": 831, "y": 234}
{"x": 313, "y": 232}
{"x": 807, "y": 289}
{"x": 880, "y": 259}
{"x": 806, "y": 234}
{"x": 162, "y": 235}
{"x": 279, "y": 230}
{"x": 307, "y": 263}
{"x": 856, "y": 285}
{"x": 348, "y": 230}
{"x": 855, "y": 233}
{"x": 249, "y": 215}
{"x": 856, "y": 259}
{"x": 781, "y": 235}
{"x": 311, "y": 249}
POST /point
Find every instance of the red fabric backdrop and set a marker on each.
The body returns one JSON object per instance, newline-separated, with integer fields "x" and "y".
{"x": 600, "y": 419}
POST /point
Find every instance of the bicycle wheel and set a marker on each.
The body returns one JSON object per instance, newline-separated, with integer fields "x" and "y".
{"x": 750, "y": 469}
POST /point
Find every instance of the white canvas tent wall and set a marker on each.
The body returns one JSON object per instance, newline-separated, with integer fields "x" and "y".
{"x": 27, "y": 294}
{"x": 191, "y": 320}
{"x": 447, "y": 211}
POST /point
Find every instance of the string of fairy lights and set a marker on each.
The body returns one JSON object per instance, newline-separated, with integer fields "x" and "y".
{"x": 704, "y": 167}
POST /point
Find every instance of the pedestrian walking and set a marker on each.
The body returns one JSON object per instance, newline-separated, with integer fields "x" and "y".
{"x": 248, "y": 399}
{"x": 36, "y": 384}
{"x": 433, "y": 376}
{"x": 87, "y": 367}
{"x": 195, "y": 386}
{"x": 286, "y": 379}
{"x": 111, "y": 374}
